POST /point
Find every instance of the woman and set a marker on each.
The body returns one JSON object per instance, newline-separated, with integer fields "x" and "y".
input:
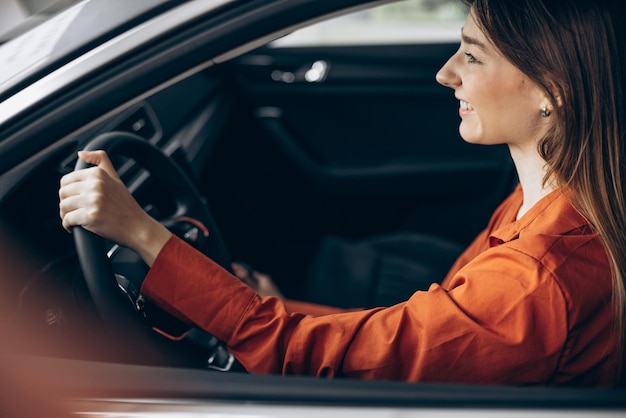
{"x": 528, "y": 301}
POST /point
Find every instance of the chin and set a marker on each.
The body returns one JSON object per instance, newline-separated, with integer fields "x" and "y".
{"x": 474, "y": 135}
{"x": 471, "y": 137}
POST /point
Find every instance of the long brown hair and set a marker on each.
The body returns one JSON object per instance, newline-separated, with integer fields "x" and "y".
{"x": 575, "y": 50}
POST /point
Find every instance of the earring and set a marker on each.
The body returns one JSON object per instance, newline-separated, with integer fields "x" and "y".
{"x": 545, "y": 113}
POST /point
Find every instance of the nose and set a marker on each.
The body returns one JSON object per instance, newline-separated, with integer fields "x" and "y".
{"x": 447, "y": 76}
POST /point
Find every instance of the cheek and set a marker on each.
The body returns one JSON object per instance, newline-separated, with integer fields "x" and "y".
{"x": 479, "y": 92}
{"x": 496, "y": 97}
{"x": 497, "y": 105}
{"x": 485, "y": 93}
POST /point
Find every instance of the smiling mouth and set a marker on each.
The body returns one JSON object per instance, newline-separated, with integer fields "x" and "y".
{"x": 465, "y": 105}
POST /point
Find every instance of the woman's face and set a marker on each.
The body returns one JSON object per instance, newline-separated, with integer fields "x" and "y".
{"x": 498, "y": 103}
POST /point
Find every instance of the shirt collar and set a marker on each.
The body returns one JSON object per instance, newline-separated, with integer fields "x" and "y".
{"x": 554, "y": 214}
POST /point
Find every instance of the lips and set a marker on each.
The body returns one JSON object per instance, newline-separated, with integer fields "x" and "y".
{"x": 465, "y": 109}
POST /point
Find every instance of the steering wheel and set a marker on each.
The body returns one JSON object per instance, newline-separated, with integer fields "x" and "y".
{"x": 103, "y": 284}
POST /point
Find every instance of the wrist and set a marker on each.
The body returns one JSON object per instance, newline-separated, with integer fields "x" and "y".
{"x": 151, "y": 240}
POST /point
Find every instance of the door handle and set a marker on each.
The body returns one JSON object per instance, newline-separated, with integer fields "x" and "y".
{"x": 314, "y": 73}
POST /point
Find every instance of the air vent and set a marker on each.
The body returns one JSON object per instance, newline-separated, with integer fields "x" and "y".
{"x": 141, "y": 122}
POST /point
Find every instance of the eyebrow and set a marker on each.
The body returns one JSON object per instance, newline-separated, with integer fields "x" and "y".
{"x": 472, "y": 41}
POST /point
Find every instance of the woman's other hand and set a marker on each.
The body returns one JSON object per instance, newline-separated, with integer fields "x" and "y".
{"x": 261, "y": 283}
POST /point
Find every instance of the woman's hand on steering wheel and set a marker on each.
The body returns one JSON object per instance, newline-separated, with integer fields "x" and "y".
{"x": 97, "y": 199}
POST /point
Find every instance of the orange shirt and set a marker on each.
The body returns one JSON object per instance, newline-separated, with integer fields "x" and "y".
{"x": 528, "y": 302}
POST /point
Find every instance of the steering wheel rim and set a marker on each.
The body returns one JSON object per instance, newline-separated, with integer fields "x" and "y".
{"x": 112, "y": 307}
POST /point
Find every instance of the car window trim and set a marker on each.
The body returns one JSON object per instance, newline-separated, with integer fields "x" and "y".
{"x": 107, "y": 52}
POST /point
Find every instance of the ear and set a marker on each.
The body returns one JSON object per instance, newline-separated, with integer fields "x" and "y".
{"x": 554, "y": 94}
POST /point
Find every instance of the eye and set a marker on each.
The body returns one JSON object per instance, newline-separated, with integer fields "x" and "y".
{"x": 470, "y": 58}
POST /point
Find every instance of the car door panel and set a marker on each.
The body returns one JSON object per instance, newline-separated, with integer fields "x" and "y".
{"x": 378, "y": 114}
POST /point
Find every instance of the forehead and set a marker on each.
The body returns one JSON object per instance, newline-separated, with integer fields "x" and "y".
{"x": 471, "y": 31}
{"x": 473, "y": 34}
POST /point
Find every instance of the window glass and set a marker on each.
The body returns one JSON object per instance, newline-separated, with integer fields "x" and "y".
{"x": 403, "y": 22}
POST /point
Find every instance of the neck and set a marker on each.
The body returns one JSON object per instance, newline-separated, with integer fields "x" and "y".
{"x": 531, "y": 170}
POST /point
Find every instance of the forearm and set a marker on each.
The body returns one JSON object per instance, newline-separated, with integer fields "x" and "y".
{"x": 149, "y": 240}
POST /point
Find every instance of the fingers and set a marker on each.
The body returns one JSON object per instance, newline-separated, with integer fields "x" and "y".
{"x": 80, "y": 203}
{"x": 81, "y": 191}
{"x": 99, "y": 158}
{"x": 72, "y": 214}
{"x": 87, "y": 181}
{"x": 261, "y": 283}
{"x": 80, "y": 183}
{"x": 245, "y": 273}
{"x": 101, "y": 162}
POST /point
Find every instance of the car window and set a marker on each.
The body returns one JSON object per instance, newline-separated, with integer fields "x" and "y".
{"x": 18, "y": 16}
{"x": 402, "y": 22}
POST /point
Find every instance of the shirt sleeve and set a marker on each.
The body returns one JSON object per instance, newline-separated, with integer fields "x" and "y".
{"x": 491, "y": 327}
{"x": 313, "y": 309}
